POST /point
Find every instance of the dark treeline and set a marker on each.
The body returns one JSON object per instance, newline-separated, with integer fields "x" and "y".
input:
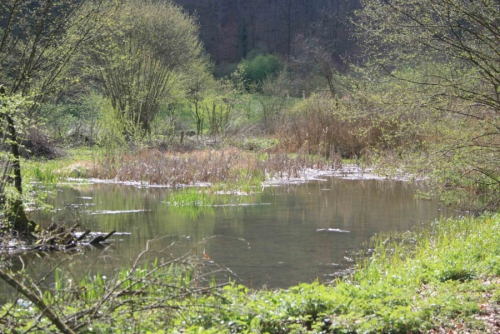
{"x": 232, "y": 29}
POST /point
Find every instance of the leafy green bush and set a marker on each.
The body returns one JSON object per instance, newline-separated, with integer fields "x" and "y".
{"x": 261, "y": 67}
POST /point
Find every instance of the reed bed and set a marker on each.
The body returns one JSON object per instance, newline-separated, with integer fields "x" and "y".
{"x": 228, "y": 165}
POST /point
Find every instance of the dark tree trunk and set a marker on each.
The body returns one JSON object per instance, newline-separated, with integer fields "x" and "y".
{"x": 16, "y": 214}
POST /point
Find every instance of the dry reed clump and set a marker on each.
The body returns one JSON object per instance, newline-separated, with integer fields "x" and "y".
{"x": 226, "y": 165}
{"x": 327, "y": 127}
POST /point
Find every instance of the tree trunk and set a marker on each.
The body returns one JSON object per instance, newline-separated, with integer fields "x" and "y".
{"x": 16, "y": 214}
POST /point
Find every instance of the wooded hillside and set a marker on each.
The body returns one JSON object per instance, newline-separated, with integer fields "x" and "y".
{"x": 231, "y": 29}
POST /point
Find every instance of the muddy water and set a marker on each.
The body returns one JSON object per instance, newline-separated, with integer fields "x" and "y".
{"x": 278, "y": 237}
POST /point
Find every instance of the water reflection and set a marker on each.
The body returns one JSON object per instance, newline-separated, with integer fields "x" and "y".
{"x": 282, "y": 245}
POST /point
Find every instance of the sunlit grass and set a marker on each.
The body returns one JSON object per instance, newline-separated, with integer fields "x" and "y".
{"x": 77, "y": 162}
{"x": 219, "y": 195}
{"x": 191, "y": 197}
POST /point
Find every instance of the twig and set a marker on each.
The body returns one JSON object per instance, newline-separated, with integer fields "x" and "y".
{"x": 46, "y": 310}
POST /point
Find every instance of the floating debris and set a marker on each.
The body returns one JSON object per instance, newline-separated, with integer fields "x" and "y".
{"x": 341, "y": 273}
{"x": 95, "y": 234}
{"x": 332, "y": 230}
{"x": 240, "y": 204}
{"x": 233, "y": 192}
{"x": 110, "y": 212}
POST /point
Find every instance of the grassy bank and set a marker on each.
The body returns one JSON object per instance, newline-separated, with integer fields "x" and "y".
{"x": 443, "y": 277}
{"x": 76, "y": 162}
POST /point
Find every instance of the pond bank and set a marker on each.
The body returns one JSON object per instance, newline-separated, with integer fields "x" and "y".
{"x": 441, "y": 278}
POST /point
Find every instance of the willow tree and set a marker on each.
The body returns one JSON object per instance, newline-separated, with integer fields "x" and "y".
{"x": 38, "y": 40}
{"x": 450, "y": 51}
{"x": 151, "y": 46}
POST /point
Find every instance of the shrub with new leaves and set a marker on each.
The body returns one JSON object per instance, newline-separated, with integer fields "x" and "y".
{"x": 146, "y": 52}
{"x": 449, "y": 51}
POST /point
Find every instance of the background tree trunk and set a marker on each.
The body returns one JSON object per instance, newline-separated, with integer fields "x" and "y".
{"x": 16, "y": 214}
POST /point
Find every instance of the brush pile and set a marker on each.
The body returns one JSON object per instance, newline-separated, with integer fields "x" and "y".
{"x": 54, "y": 238}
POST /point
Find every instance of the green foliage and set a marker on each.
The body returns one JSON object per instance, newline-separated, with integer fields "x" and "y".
{"x": 430, "y": 135}
{"x": 148, "y": 50}
{"x": 115, "y": 130}
{"x": 444, "y": 33}
{"x": 72, "y": 121}
{"x": 255, "y": 144}
{"x": 39, "y": 42}
{"x": 444, "y": 53}
{"x": 13, "y": 107}
{"x": 260, "y": 67}
{"x": 221, "y": 194}
{"x": 44, "y": 175}
{"x": 14, "y": 124}
{"x": 41, "y": 39}
{"x": 215, "y": 103}
{"x": 191, "y": 197}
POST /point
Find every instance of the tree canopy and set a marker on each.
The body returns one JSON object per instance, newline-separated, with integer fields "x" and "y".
{"x": 449, "y": 53}
{"x": 38, "y": 39}
{"x": 147, "y": 50}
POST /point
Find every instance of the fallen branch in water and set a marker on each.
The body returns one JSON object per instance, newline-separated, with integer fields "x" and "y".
{"x": 54, "y": 238}
{"x": 100, "y": 238}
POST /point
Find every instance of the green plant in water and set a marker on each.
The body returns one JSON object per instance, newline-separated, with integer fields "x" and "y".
{"x": 44, "y": 175}
{"x": 193, "y": 197}
{"x": 193, "y": 212}
{"x": 219, "y": 195}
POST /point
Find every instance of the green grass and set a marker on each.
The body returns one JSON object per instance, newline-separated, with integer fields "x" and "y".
{"x": 52, "y": 171}
{"x": 443, "y": 277}
{"x": 247, "y": 182}
{"x": 216, "y": 195}
{"x": 191, "y": 197}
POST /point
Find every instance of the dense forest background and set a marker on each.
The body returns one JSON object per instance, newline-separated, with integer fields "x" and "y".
{"x": 234, "y": 29}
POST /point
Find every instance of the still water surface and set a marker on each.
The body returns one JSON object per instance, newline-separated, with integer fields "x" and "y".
{"x": 285, "y": 229}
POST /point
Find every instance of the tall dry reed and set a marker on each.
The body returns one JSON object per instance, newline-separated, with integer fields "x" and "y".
{"x": 229, "y": 165}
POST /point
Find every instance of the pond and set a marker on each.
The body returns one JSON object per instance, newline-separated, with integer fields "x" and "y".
{"x": 277, "y": 237}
